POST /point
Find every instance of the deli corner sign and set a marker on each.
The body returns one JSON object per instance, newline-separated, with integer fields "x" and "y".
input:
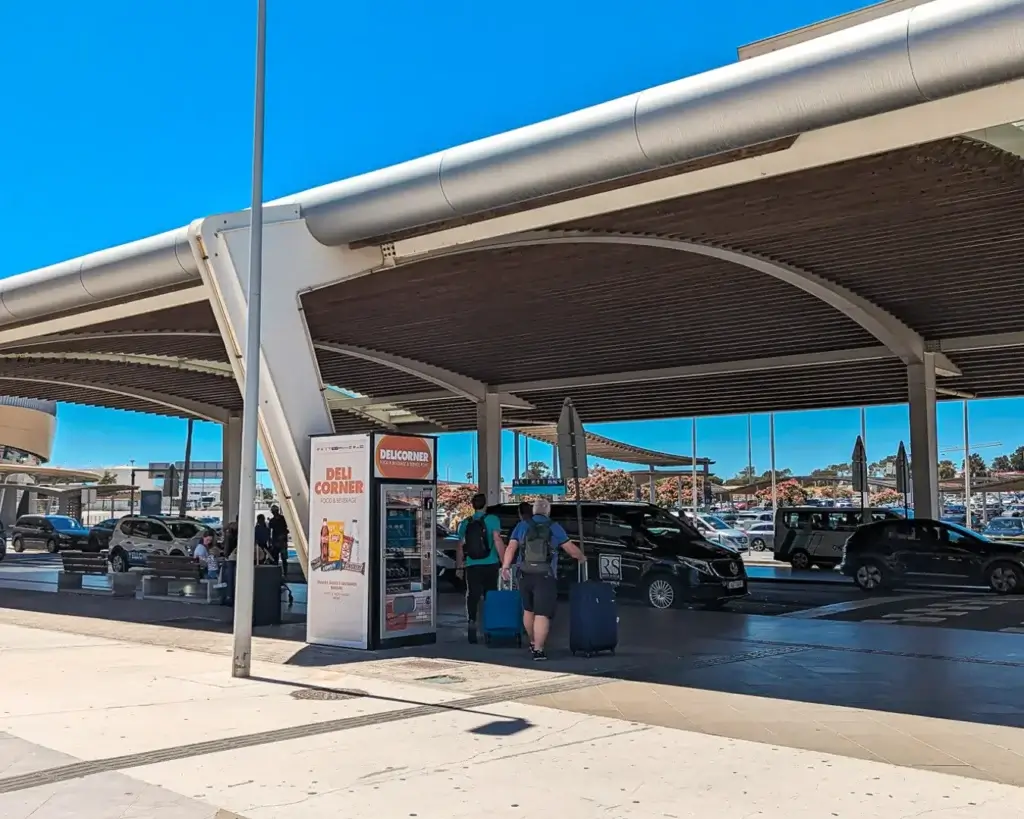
{"x": 404, "y": 457}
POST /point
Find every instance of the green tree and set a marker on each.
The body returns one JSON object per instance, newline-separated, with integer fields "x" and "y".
{"x": 947, "y": 470}
{"x": 780, "y": 474}
{"x": 978, "y": 466}
{"x": 108, "y": 478}
{"x": 536, "y": 469}
{"x": 832, "y": 471}
{"x": 1001, "y": 463}
{"x": 744, "y": 476}
{"x": 1017, "y": 459}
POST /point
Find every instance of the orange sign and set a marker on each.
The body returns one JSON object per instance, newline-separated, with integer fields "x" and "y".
{"x": 404, "y": 457}
{"x": 338, "y": 480}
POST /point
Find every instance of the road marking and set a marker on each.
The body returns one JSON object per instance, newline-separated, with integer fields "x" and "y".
{"x": 851, "y": 605}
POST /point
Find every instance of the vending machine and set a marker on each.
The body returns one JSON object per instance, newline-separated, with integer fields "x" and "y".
{"x": 372, "y": 570}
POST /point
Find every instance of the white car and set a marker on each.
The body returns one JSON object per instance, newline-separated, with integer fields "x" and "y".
{"x": 718, "y": 531}
{"x": 747, "y": 519}
{"x": 135, "y": 537}
{"x": 762, "y": 537}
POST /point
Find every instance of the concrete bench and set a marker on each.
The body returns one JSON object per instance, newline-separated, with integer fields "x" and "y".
{"x": 76, "y": 566}
{"x": 162, "y": 570}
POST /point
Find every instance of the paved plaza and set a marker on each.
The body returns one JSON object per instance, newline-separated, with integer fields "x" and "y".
{"x": 731, "y": 716}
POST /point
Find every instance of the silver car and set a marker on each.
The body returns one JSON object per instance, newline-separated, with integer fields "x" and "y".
{"x": 718, "y": 531}
{"x": 762, "y": 537}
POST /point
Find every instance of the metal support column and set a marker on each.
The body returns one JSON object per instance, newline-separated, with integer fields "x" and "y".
{"x": 488, "y": 436}
{"x": 924, "y": 446}
{"x": 771, "y": 451}
{"x": 865, "y": 496}
{"x": 517, "y": 472}
{"x": 693, "y": 476}
{"x": 967, "y": 468}
{"x": 232, "y": 467}
{"x": 245, "y": 577}
{"x": 750, "y": 451}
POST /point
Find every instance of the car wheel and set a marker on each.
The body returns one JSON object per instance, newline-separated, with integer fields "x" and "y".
{"x": 870, "y": 576}
{"x": 1005, "y": 578}
{"x": 800, "y": 560}
{"x": 119, "y": 562}
{"x": 18, "y": 544}
{"x": 663, "y": 592}
{"x": 757, "y": 544}
{"x": 51, "y": 546}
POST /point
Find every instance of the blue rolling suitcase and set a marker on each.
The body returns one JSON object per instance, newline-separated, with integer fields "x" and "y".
{"x": 503, "y": 615}
{"x": 593, "y": 617}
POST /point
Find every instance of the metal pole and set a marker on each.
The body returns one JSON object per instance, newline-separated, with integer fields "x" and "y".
{"x": 131, "y": 510}
{"x": 693, "y": 477}
{"x": 750, "y": 453}
{"x": 183, "y": 506}
{"x": 241, "y": 660}
{"x": 517, "y": 473}
{"x": 967, "y": 469}
{"x": 865, "y": 497}
{"x": 771, "y": 450}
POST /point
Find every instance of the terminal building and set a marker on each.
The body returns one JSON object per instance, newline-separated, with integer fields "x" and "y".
{"x": 856, "y": 187}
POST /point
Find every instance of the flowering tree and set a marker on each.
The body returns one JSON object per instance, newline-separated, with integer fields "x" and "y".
{"x": 789, "y": 493}
{"x": 886, "y": 497}
{"x": 667, "y": 491}
{"x": 831, "y": 491}
{"x": 602, "y": 484}
{"x": 456, "y": 499}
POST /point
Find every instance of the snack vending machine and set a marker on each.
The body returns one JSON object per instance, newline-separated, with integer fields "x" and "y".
{"x": 372, "y": 579}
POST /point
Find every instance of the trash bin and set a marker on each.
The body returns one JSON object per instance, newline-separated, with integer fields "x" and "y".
{"x": 266, "y": 597}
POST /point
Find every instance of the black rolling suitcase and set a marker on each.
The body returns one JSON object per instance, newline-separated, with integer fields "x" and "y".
{"x": 593, "y": 617}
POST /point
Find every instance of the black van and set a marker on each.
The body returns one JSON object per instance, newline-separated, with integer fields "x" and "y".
{"x": 645, "y": 552}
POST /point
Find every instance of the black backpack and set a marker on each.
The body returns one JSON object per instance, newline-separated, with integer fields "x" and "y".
{"x": 477, "y": 546}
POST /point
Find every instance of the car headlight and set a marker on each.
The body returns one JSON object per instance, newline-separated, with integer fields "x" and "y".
{"x": 698, "y": 565}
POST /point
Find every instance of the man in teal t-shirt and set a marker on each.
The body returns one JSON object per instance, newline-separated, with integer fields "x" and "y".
{"x": 478, "y": 557}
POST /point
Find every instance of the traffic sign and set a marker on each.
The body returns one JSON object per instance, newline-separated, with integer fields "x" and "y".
{"x": 572, "y": 443}
{"x": 172, "y": 482}
{"x": 902, "y": 471}
{"x": 860, "y": 467}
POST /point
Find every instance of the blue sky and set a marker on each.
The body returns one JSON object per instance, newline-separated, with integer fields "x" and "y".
{"x": 131, "y": 118}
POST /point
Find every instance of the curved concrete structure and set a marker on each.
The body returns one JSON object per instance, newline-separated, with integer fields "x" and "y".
{"x": 27, "y": 426}
{"x": 929, "y": 52}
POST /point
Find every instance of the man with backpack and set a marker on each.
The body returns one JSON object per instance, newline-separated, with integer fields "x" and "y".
{"x": 539, "y": 540}
{"x": 478, "y": 557}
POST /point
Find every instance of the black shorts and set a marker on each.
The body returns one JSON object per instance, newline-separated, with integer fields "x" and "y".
{"x": 539, "y": 593}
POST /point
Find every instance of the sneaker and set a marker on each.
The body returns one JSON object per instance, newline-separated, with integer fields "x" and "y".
{"x": 538, "y": 654}
{"x": 471, "y": 633}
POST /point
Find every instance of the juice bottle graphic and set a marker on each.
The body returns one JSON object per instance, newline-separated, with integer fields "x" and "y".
{"x": 337, "y": 537}
{"x": 325, "y": 542}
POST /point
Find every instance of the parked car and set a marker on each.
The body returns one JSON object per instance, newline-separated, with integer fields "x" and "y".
{"x": 100, "y": 534}
{"x": 3, "y": 541}
{"x": 1005, "y": 528}
{"x": 445, "y": 553}
{"x": 747, "y": 519}
{"x": 762, "y": 537}
{"x": 718, "y": 531}
{"x": 644, "y": 552}
{"x": 136, "y": 537}
{"x": 893, "y": 552}
{"x": 50, "y": 532}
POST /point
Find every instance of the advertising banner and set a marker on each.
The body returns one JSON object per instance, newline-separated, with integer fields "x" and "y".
{"x": 404, "y": 457}
{"x": 339, "y": 522}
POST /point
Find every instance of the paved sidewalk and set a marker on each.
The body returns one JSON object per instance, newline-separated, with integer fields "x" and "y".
{"x": 98, "y": 729}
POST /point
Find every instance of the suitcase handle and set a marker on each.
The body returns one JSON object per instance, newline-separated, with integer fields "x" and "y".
{"x": 510, "y": 584}
{"x": 582, "y": 572}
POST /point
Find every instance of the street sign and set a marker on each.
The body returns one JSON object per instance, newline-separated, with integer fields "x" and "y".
{"x": 572, "y": 443}
{"x": 860, "y": 467}
{"x": 902, "y": 471}
{"x": 172, "y": 482}
{"x": 538, "y": 486}
{"x": 88, "y": 496}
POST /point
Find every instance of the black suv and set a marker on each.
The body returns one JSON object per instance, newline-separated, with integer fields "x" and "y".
{"x": 891, "y": 552}
{"x": 54, "y": 532}
{"x": 645, "y": 552}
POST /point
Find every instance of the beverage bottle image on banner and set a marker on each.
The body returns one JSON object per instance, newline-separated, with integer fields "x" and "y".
{"x": 325, "y": 544}
{"x": 336, "y": 540}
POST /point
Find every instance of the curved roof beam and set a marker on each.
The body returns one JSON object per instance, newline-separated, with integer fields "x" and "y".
{"x": 904, "y": 342}
{"x": 181, "y": 406}
{"x": 188, "y": 364}
{"x": 99, "y": 336}
{"x": 461, "y": 385}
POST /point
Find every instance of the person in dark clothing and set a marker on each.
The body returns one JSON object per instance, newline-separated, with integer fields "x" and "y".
{"x": 231, "y": 537}
{"x": 279, "y": 545}
{"x": 262, "y": 534}
{"x": 525, "y": 511}
{"x": 478, "y": 557}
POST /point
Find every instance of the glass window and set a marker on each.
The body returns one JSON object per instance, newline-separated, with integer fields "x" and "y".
{"x": 157, "y": 531}
{"x": 127, "y": 528}
{"x": 611, "y": 527}
{"x": 184, "y": 530}
{"x": 63, "y": 523}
